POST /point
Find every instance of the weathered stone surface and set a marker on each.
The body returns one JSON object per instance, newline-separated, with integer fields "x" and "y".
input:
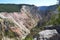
{"x": 46, "y": 34}
{"x": 21, "y": 22}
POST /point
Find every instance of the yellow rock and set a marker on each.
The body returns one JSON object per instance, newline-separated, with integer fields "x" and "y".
{"x": 1, "y": 20}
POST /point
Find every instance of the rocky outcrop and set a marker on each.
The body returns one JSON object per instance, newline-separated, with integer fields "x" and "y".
{"x": 19, "y": 23}
{"x": 46, "y": 34}
{"x": 50, "y": 32}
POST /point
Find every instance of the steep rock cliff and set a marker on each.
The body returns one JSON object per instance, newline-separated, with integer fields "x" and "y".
{"x": 18, "y": 24}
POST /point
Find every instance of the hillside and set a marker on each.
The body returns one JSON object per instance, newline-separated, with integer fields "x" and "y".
{"x": 25, "y": 21}
{"x": 17, "y": 25}
{"x": 11, "y": 7}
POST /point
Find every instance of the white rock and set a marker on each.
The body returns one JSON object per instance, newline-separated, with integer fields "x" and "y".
{"x": 47, "y": 33}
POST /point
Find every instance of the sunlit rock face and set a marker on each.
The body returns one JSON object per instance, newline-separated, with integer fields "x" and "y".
{"x": 20, "y": 23}
{"x": 46, "y": 34}
{"x": 50, "y": 32}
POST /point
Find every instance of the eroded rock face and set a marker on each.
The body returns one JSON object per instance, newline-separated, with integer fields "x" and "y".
{"x": 20, "y": 23}
{"x": 46, "y": 34}
{"x": 50, "y": 32}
